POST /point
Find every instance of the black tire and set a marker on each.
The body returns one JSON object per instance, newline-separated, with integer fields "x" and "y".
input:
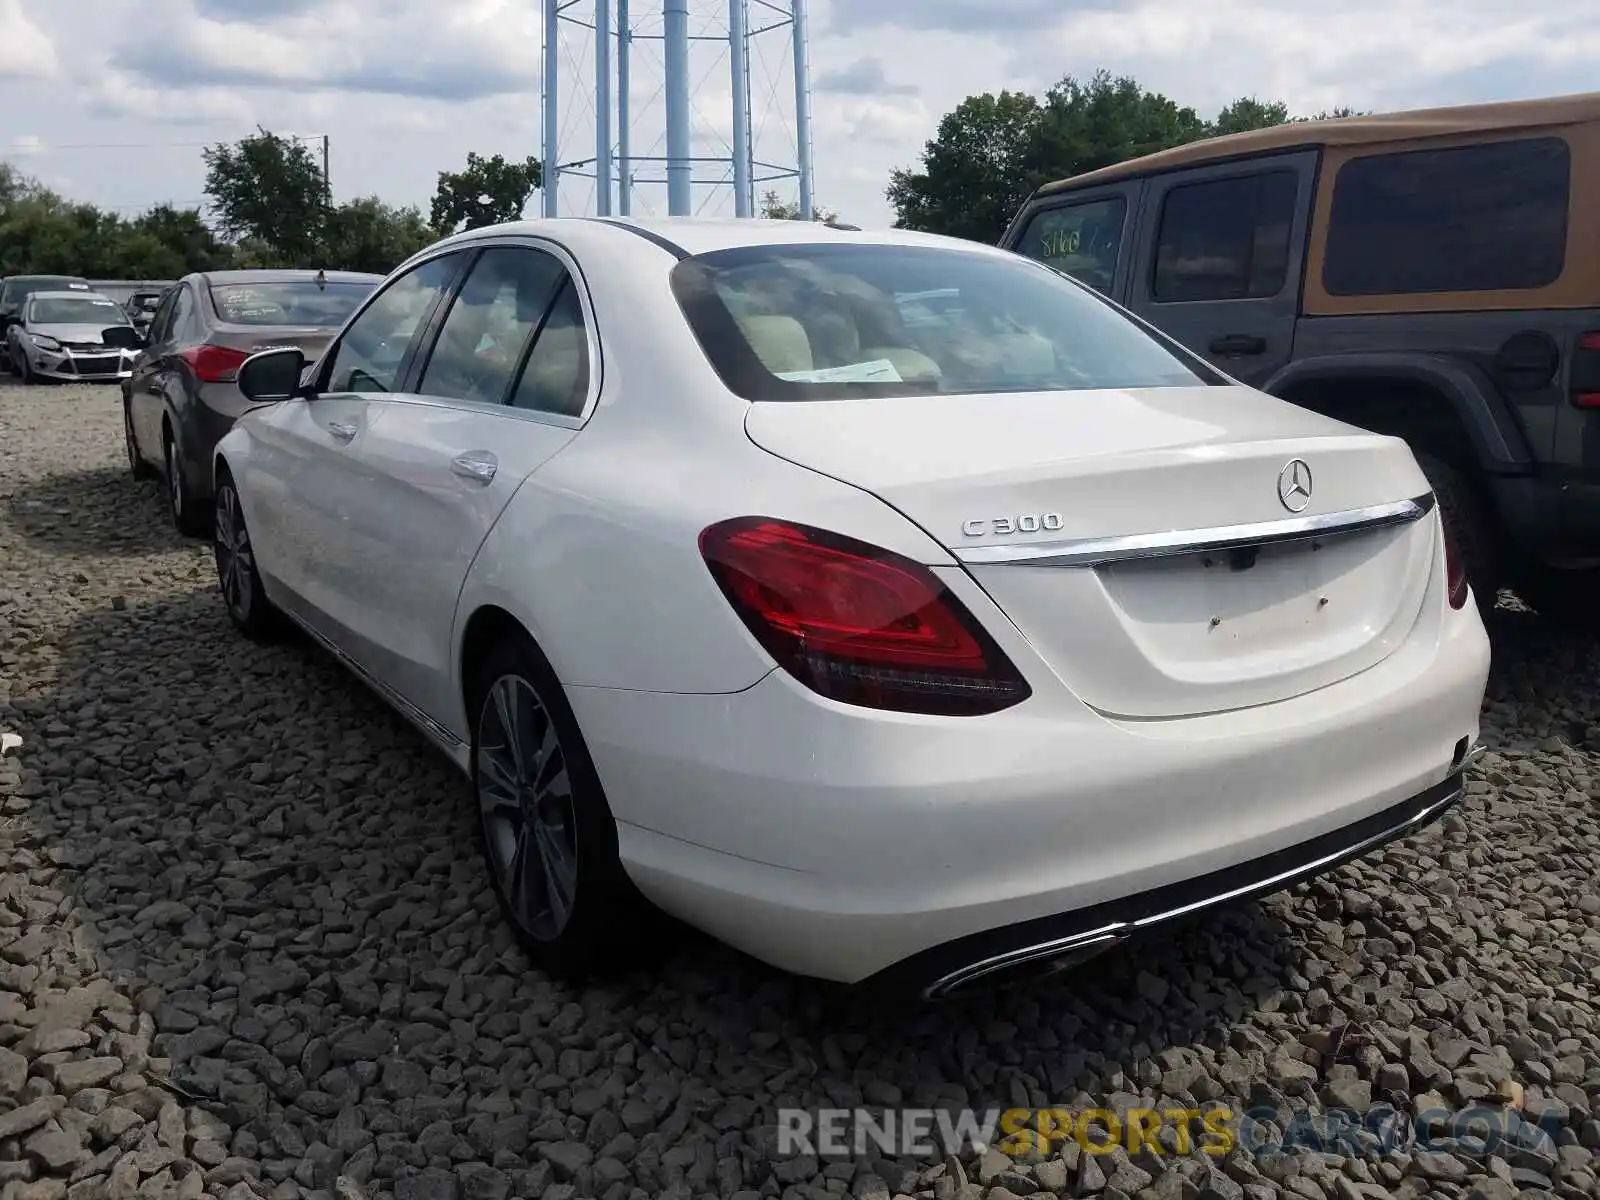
{"x": 187, "y": 518}
{"x": 136, "y": 462}
{"x": 25, "y": 373}
{"x": 1476, "y": 536}
{"x": 238, "y": 578}
{"x": 602, "y": 925}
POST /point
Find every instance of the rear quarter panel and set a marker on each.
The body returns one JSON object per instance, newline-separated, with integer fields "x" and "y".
{"x": 598, "y": 552}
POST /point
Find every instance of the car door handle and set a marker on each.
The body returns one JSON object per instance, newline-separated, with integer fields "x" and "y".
{"x": 476, "y": 465}
{"x": 342, "y": 431}
{"x": 1238, "y": 344}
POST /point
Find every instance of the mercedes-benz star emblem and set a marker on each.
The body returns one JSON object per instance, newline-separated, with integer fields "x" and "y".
{"x": 1294, "y": 485}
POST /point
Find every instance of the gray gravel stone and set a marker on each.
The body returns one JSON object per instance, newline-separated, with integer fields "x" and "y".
{"x": 244, "y": 927}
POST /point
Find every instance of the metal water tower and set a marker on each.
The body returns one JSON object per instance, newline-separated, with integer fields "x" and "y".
{"x": 706, "y": 101}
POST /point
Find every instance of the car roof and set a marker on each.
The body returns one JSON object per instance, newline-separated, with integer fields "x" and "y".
{"x": 702, "y": 235}
{"x": 1351, "y": 131}
{"x": 287, "y": 276}
{"x": 60, "y": 278}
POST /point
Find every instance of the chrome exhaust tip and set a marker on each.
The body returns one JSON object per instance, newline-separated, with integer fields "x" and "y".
{"x": 1028, "y": 964}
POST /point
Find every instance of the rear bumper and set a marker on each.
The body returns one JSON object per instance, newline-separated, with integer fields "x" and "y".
{"x": 1054, "y": 943}
{"x": 845, "y": 844}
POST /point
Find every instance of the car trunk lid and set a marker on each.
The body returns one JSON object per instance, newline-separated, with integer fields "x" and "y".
{"x": 310, "y": 340}
{"x": 1138, "y": 539}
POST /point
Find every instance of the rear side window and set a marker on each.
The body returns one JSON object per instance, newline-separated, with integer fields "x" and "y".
{"x": 161, "y": 322}
{"x": 1467, "y": 219}
{"x": 837, "y": 321}
{"x": 489, "y": 323}
{"x": 182, "y": 314}
{"x": 1225, "y": 239}
{"x": 1081, "y": 240}
{"x": 556, "y": 377}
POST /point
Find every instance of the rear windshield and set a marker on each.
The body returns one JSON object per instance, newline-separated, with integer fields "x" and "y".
{"x": 837, "y": 321}
{"x": 89, "y": 310}
{"x": 295, "y": 303}
{"x": 17, "y": 289}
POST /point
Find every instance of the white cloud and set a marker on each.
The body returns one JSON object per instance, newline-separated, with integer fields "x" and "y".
{"x": 406, "y": 87}
{"x": 26, "y": 51}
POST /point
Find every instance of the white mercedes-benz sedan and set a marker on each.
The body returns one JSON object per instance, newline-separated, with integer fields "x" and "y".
{"x": 891, "y": 607}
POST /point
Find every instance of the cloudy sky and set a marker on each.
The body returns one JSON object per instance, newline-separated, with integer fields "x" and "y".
{"x": 110, "y": 101}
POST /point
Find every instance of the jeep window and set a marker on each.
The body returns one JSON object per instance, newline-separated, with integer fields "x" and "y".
{"x": 1225, "y": 239}
{"x": 1080, "y": 240}
{"x": 1467, "y": 219}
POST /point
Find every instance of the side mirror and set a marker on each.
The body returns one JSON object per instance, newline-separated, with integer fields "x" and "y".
{"x": 272, "y": 375}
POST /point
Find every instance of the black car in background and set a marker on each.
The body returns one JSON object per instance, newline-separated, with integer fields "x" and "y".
{"x": 15, "y": 290}
{"x": 182, "y": 396}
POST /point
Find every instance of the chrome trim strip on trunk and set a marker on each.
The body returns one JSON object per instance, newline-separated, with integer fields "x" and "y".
{"x": 1106, "y": 936}
{"x": 1093, "y": 552}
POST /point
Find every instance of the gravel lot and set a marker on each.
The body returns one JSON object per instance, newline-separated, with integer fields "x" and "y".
{"x": 247, "y": 949}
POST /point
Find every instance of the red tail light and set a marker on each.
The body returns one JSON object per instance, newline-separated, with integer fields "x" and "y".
{"x": 857, "y": 623}
{"x": 1586, "y": 371}
{"x": 1455, "y": 571}
{"x": 214, "y": 364}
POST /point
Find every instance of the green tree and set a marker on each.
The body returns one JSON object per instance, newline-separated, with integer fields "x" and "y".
{"x": 775, "y": 208}
{"x": 368, "y": 235}
{"x": 976, "y": 170}
{"x": 271, "y": 189}
{"x": 991, "y": 152}
{"x": 1250, "y": 113}
{"x": 488, "y": 191}
{"x": 179, "y": 241}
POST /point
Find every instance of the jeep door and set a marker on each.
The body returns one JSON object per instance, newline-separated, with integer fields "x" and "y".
{"x": 1219, "y": 255}
{"x": 1086, "y": 234}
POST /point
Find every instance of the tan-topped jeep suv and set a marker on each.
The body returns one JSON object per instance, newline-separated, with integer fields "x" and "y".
{"x": 1433, "y": 275}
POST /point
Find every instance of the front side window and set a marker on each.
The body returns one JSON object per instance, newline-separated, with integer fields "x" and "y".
{"x": 294, "y": 303}
{"x": 75, "y": 310}
{"x": 1225, "y": 239}
{"x": 489, "y": 323}
{"x": 1490, "y": 217}
{"x": 1081, "y": 240}
{"x": 825, "y": 321}
{"x": 369, "y": 356}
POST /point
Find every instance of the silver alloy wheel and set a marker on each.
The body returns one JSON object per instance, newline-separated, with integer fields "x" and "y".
{"x": 526, "y": 804}
{"x": 235, "y": 558}
{"x": 174, "y": 479}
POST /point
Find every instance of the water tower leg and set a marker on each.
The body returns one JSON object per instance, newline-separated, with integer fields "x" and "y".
{"x": 675, "y": 19}
{"x": 602, "y": 108}
{"x": 802, "y": 106}
{"x": 624, "y": 111}
{"x": 738, "y": 52}
{"x": 550, "y": 89}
